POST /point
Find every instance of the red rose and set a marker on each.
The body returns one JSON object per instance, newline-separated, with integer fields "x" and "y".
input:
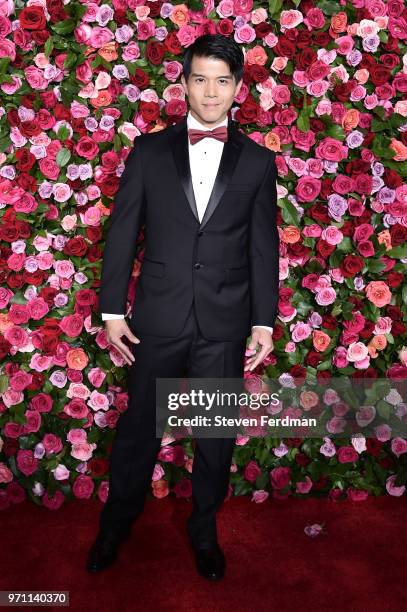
{"x": 394, "y": 279}
{"x": 398, "y": 234}
{"x": 373, "y": 446}
{"x": 258, "y": 73}
{"x": 155, "y": 52}
{"x": 305, "y": 58}
{"x": 172, "y": 44}
{"x": 247, "y": 113}
{"x": 284, "y": 47}
{"x": 110, "y": 186}
{"x": 363, "y": 184}
{"x": 262, "y": 29}
{"x": 140, "y": 79}
{"x": 25, "y": 159}
{"x": 347, "y": 454}
{"x": 251, "y": 471}
{"x": 280, "y": 477}
{"x": 302, "y": 459}
{"x": 225, "y": 27}
{"x": 324, "y": 248}
{"x": 391, "y": 178}
{"x": 85, "y": 297}
{"x": 32, "y": 18}
{"x": 312, "y": 359}
{"x": 150, "y": 111}
{"x": 379, "y": 75}
{"x": 321, "y": 39}
{"x": 94, "y": 234}
{"x": 303, "y": 41}
{"x": 351, "y": 265}
{"x": 76, "y": 246}
{"x": 390, "y": 60}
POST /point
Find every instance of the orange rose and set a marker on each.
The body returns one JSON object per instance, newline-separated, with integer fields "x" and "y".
{"x": 350, "y": 120}
{"x": 104, "y": 98}
{"x": 308, "y": 399}
{"x": 378, "y": 293}
{"x": 291, "y": 234}
{"x": 379, "y": 342}
{"x": 77, "y": 359}
{"x": 338, "y": 22}
{"x": 272, "y": 141}
{"x": 320, "y": 340}
{"x": 400, "y": 150}
{"x": 384, "y": 237}
{"x": 256, "y": 55}
{"x": 108, "y": 51}
{"x": 160, "y": 488}
{"x": 179, "y": 15}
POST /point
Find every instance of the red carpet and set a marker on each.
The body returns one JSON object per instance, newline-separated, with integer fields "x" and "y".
{"x": 358, "y": 566}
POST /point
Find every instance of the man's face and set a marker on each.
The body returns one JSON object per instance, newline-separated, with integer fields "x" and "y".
{"x": 210, "y": 89}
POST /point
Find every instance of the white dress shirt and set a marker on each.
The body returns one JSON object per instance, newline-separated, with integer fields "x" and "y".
{"x": 204, "y": 158}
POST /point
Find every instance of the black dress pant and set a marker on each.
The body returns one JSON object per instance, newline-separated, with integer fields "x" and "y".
{"x": 135, "y": 446}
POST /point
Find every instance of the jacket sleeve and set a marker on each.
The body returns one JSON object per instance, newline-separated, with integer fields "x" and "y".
{"x": 120, "y": 246}
{"x": 264, "y": 250}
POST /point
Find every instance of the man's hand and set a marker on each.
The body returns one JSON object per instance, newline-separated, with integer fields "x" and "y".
{"x": 264, "y": 338}
{"x": 115, "y": 329}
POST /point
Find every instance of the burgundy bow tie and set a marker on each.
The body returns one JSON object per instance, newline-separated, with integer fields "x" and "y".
{"x": 220, "y": 133}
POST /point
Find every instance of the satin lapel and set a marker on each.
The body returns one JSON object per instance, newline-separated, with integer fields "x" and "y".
{"x": 230, "y": 155}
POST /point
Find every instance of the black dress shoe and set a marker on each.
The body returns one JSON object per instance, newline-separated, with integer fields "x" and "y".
{"x": 210, "y": 561}
{"x": 103, "y": 551}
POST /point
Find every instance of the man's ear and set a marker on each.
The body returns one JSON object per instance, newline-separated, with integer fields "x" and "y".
{"x": 184, "y": 83}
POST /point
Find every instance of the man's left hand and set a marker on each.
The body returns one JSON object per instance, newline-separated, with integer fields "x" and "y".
{"x": 263, "y": 337}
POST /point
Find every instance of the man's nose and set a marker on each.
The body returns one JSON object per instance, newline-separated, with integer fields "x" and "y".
{"x": 211, "y": 90}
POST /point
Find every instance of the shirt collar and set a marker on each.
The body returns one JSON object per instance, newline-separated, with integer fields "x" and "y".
{"x": 197, "y": 125}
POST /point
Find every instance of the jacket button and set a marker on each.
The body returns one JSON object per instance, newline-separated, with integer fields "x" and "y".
{"x": 200, "y": 232}
{"x": 197, "y": 265}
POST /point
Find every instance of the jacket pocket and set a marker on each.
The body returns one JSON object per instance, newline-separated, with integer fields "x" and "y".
{"x": 239, "y": 273}
{"x": 154, "y": 268}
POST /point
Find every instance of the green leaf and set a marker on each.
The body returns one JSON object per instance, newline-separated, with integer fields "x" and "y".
{"x": 398, "y": 252}
{"x": 63, "y": 157}
{"x": 64, "y": 27}
{"x": 49, "y": 45}
{"x": 327, "y": 7}
{"x": 303, "y": 122}
{"x": 374, "y": 265}
{"x": 275, "y": 6}
{"x": 4, "y": 62}
{"x": 289, "y": 212}
{"x": 335, "y": 131}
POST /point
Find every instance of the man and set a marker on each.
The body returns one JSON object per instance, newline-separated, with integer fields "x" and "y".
{"x": 207, "y": 196}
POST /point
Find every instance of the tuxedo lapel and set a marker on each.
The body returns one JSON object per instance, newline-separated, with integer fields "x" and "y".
{"x": 230, "y": 155}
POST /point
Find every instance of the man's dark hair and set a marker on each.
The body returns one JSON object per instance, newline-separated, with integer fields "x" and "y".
{"x": 215, "y": 46}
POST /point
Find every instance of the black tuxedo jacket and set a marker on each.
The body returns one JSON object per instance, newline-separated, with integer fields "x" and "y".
{"x": 228, "y": 263}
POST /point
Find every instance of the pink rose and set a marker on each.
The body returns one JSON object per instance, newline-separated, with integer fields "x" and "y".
{"x": 259, "y": 496}
{"x": 83, "y": 487}
{"x": 308, "y": 188}
{"x": 331, "y": 150}
{"x": 26, "y": 462}
{"x": 347, "y": 454}
{"x": 280, "y": 477}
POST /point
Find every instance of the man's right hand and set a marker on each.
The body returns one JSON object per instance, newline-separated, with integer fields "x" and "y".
{"x": 115, "y": 329}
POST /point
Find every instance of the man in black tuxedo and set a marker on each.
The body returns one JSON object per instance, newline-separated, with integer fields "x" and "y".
{"x": 209, "y": 279}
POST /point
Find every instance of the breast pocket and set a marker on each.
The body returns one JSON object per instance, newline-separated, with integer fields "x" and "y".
{"x": 242, "y": 186}
{"x": 153, "y": 268}
{"x": 237, "y": 273}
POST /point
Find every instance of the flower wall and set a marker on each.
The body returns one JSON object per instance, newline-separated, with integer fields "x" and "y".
{"x": 324, "y": 87}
